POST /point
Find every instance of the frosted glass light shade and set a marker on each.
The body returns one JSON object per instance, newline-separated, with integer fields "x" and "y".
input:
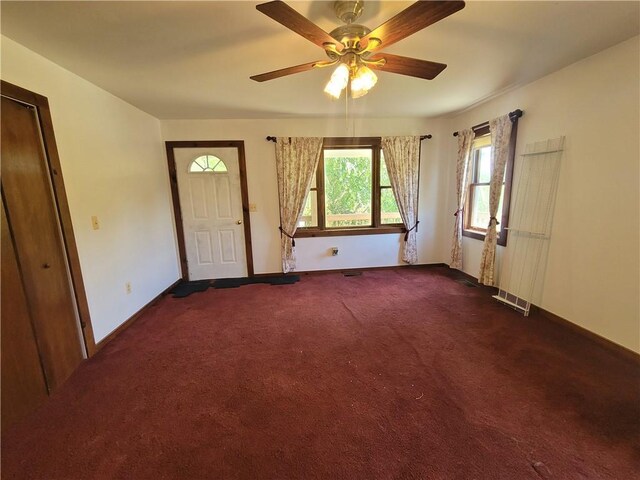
{"x": 363, "y": 81}
{"x": 338, "y": 81}
{"x": 333, "y": 89}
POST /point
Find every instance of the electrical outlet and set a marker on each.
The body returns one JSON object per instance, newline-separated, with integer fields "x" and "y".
{"x": 127, "y": 287}
{"x": 94, "y": 223}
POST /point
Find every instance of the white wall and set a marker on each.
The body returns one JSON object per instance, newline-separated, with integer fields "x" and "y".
{"x": 114, "y": 167}
{"x": 313, "y": 253}
{"x": 592, "y": 276}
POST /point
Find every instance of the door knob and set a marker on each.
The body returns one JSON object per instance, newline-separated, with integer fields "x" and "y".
{"x": 239, "y": 222}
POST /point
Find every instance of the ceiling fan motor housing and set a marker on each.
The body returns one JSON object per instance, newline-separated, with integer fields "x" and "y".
{"x": 349, "y": 35}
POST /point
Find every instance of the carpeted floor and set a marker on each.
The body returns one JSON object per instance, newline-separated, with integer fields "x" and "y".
{"x": 395, "y": 374}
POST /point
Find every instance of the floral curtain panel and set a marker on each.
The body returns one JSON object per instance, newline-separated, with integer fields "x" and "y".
{"x": 500, "y": 129}
{"x": 402, "y": 156}
{"x": 296, "y": 161}
{"x": 463, "y": 174}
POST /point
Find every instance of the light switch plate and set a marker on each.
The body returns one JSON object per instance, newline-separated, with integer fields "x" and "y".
{"x": 94, "y": 223}
{"x": 253, "y": 207}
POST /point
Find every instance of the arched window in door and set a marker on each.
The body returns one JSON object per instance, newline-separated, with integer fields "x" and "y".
{"x": 207, "y": 164}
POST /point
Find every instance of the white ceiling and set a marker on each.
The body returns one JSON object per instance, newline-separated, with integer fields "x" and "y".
{"x": 188, "y": 60}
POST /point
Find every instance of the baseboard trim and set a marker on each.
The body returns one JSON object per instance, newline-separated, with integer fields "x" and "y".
{"x": 357, "y": 269}
{"x": 613, "y": 347}
{"x": 129, "y": 321}
{"x": 472, "y": 279}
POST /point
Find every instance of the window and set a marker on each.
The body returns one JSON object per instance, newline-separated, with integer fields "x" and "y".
{"x": 476, "y": 219}
{"x": 350, "y": 192}
{"x": 389, "y": 213}
{"x": 207, "y": 163}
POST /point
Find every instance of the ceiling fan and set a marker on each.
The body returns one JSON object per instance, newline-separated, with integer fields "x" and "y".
{"x": 354, "y": 47}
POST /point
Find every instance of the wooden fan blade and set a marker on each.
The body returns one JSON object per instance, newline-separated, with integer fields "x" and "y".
{"x": 287, "y": 16}
{"x": 263, "y": 77}
{"x": 409, "y": 21}
{"x": 407, "y": 66}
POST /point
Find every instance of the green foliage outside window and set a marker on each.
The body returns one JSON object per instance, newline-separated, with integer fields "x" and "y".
{"x": 348, "y": 182}
{"x": 388, "y": 204}
{"x": 348, "y": 190}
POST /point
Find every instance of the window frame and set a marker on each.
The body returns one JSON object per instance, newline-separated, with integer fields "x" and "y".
{"x": 208, "y": 170}
{"x": 506, "y": 201}
{"x": 376, "y": 227}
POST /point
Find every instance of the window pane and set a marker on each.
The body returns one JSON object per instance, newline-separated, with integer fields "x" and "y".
{"x": 479, "y": 218}
{"x": 384, "y": 173}
{"x": 348, "y": 182}
{"x": 207, "y": 163}
{"x": 309, "y": 217}
{"x": 483, "y": 165}
{"x": 389, "y": 207}
{"x": 219, "y": 166}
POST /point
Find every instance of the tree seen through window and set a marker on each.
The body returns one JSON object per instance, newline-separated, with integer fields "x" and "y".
{"x": 345, "y": 192}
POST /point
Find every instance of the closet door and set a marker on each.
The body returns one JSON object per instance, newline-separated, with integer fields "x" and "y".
{"x": 23, "y": 383}
{"x": 33, "y": 222}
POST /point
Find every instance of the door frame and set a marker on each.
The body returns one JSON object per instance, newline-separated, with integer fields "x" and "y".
{"x": 41, "y": 105}
{"x": 177, "y": 212}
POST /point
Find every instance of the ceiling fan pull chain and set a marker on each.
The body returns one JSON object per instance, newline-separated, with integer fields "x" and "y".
{"x": 346, "y": 109}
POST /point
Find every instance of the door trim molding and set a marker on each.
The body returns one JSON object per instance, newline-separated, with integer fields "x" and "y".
{"x": 177, "y": 212}
{"x": 41, "y": 104}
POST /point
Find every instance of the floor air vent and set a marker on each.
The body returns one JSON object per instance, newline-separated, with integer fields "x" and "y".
{"x": 352, "y": 274}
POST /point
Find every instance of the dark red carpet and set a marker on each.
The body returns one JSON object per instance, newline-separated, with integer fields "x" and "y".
{"x": 395, "y": 374}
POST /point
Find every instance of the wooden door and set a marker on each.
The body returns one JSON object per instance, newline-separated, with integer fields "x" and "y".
{"x": 23, "y": 382}
{"x": 211, "y": 203}
{"x": 34, "y": 225}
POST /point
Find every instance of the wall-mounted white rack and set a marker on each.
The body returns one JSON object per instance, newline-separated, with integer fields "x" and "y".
{"x": 525, "y": 257}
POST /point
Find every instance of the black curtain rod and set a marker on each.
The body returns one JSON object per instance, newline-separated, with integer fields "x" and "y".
{"x": 422, "y": 137}
{"x": 512, "y": 115}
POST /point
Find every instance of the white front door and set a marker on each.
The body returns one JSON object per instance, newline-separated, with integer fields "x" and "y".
{"x": 211, "y": 204}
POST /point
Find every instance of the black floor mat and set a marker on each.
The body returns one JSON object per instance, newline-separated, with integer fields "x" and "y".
{"x": 184, "y": 289}
{"x": 238, "y": 282}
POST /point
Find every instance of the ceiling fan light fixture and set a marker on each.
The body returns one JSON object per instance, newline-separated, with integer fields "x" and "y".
{"x": 333, "y": 90}
{"x": 363, "y": 81}
{"x": 354, "y": 46}
{"x": 338, "y": 81}
{"x": 340, "y": 75}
